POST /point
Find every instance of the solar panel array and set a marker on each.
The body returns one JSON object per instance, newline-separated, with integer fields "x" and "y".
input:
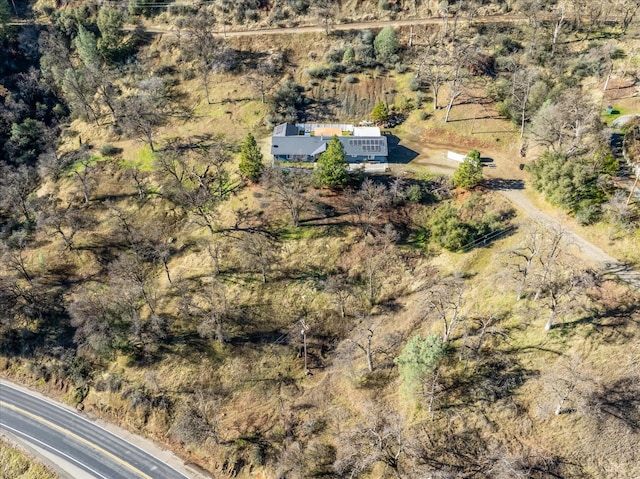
{"x": 371, "y": 145}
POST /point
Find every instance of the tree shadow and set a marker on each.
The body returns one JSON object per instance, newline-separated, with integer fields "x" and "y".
{"x": 494, "y": 377}
{"x": 617, "y": 401}
{"x": 503, "y": 184}
{"x": 610, "y": 323}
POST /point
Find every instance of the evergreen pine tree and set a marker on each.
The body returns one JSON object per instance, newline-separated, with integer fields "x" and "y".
{"x": 469, "y": 173}
{"x": 418, "y": 359}
{"x": 250, "y": 159}
{"x": 332, "y": 166}
{"x": 380, "y": 112}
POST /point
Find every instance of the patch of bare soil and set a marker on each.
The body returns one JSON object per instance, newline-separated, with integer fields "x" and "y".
{"x": 619, "y": 88}
{"x": 430, "y": 147}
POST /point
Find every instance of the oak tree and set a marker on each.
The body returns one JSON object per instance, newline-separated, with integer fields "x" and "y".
{"x": 290, "y": 189}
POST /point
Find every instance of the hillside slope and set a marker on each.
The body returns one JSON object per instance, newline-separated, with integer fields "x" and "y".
{"x": 275, "y": 328}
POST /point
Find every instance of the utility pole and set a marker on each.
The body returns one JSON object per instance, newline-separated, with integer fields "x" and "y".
{"x": 411, "y": 35}
{"x": 304, "y": 342}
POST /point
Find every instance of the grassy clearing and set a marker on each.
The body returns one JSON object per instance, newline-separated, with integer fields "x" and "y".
{"x": 141, "y": 158}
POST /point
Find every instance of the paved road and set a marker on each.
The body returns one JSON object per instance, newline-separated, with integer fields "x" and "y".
{"x": 85, "y": 449}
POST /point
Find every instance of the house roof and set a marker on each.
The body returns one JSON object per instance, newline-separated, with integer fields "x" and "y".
{"x": 314, "y": 145}
{"x": 294, "y": 144}
{"x": 365, "y": 145}
{"x": 366, "y": 131}
{"x": 297, "y": 145}
{"x": 285, "y": 129}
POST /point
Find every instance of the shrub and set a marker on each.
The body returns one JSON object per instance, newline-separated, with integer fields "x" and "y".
{"x": 287, "y": 103}
{"x": 405, "y": 105}
{"x": 448, "y": 229}
{"x": 386, "y": 44}
{"x": 588, "y": 213}
{"x": 334, "y": 55}
{"x": 319, "y": 71}
{"x": 109, "y": 150}
{"x": 349, "y": 56}
{"x": 414, "y": 193}
{"x": 568, "y": 182}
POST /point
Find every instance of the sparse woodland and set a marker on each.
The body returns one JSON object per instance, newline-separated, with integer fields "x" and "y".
{"x": 158, "y": 271}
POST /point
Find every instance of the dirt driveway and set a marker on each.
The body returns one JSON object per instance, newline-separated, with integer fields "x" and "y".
{"x": 424, "y": 151}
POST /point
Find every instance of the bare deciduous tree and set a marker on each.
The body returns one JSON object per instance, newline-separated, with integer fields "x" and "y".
{"x": 84, "y": 173}
{"x": 98, "y": 329}
{"x": 521, "y": 84}
{"x": 381, "y": 438}
{"x": 259, "y": 251}
{"x": 569, "y": 381}
{"x": 201, "y": 186}
{"x": 16, "y": 188}
{"x": 139, "y": 178}
{"x": 458, "y": 74}
{"x": 340, "y": 289}
{"x": 208, "y": 304}
{"x": 64, "y": 222}
{"x": 431, "y": 69}
{"x": 202, "y": 45}
{"x": 368, "y": 204}
{"x": 445, "y": 303}
{"x": 134, "y": 280}
{"x": 326, "y": 11}
{"x": 196, "y": 420}
{"x": 377, "y": 251}
{"x": 525, "y": 255}
{"x": 566, "y": 125}
{"x": 290, "y": 187}
{"x": 556, "y": 245}
{"x": 364, "y": 343}
{"x": 563, "y": 287}
{"x": 264, "y": 77}
{"x": 141, "y": 113}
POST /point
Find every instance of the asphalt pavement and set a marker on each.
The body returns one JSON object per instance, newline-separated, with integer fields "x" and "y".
{"x": 80, "y": 447}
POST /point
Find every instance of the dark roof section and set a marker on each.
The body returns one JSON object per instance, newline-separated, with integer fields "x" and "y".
{"x": 294, "y": 144}
{"x": 297, "y": 145}
{"x": 314, "y": 145}
{"x": 285, "y": 129}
